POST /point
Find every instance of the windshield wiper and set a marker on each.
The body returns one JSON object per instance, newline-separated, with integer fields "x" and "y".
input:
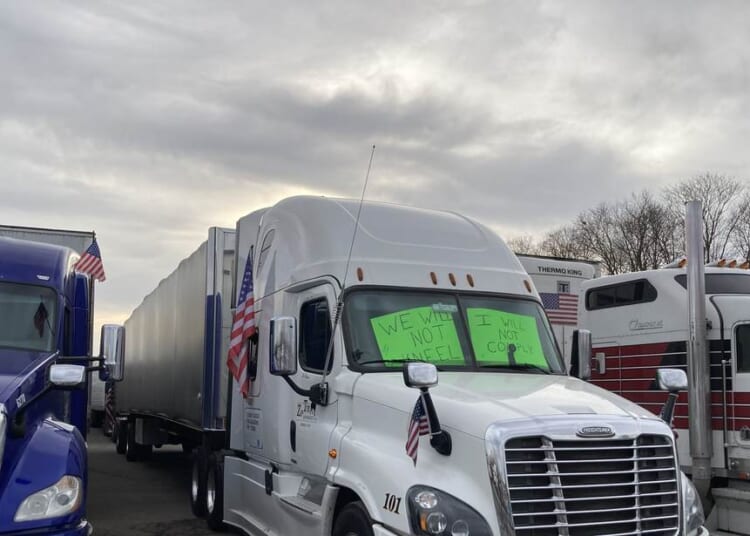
{"x": 519, "y": 366}
{"x": 386, "y": 361}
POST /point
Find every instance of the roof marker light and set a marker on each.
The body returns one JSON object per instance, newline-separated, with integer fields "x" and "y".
{"x": 527, "y": 284}
{"x": 433, "y": 276}
{"x": 470, "y": 280}
{"x": 745, "y": 265}
{"x": 679, "y": 262}
{"x": 360, "y": 274}
{"x": 452, "y": 279}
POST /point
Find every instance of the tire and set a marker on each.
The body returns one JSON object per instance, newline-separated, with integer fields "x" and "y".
{"x": 131, "y": 448}
{"x": 121, "y": 431}
{"x": 215, "y": 493}
{"x": 198, "y": 483}
{"x": 133, "y": 451}
{"x": 353, "y": 520}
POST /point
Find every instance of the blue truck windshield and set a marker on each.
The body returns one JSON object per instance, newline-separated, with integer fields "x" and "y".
{"x": 27, "y": 317}
{"x": 458, "y": 331}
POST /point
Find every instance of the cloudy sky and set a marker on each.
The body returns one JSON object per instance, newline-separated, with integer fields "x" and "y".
{"x": 149, "y": 122}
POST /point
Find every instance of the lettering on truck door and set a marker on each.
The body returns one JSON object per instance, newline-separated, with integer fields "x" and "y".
{"x": 313, "y": 423}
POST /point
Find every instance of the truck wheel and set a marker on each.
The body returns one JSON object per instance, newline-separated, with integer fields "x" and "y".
{"x": 122, "y": 437}
{"x": 215, "y": 494}
{"x": 198, "y": 483}
{"x": 131, "y": 448}
{"x": 353, "y": 520}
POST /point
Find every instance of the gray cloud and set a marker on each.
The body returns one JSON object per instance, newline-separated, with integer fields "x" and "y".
{"x": 150, "y": 123}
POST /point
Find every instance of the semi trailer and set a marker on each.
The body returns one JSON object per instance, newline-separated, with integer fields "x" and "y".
{"x": 46, "y": 319}
{"x": 175, "y": 385}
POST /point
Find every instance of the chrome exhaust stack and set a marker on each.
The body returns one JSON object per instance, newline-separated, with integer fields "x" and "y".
{"x": 699, "y": 365}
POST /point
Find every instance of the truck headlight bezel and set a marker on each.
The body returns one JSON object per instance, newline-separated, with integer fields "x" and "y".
{"x": 692, "y": 508}
{"x": 433, "y": 512}
{"x": 60, "y": 499}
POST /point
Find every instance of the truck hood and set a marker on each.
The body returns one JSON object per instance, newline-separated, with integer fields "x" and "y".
{"x": 15, "y": 365}
{"x": 470, "y": 402}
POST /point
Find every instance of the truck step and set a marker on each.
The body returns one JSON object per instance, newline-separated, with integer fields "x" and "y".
{"x": 732, "y": 509}
{"x": 302, "y": 504}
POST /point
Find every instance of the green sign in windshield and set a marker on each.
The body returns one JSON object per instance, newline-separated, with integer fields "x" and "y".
{"x": 427, "y": 333}
{"x": 506, "y": 338}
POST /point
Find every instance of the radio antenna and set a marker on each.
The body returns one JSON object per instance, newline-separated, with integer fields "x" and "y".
{"x": 340, "y": 299}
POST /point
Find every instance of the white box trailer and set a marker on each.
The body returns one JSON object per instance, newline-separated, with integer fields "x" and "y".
{"x": 558, "y": 282}
{"x": 329, "y": 443}
{"x": 175, "y": 385}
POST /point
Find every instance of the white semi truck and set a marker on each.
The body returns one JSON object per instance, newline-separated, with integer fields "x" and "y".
{"x": 639, "y": 323}
{"x": 352, "y": 333}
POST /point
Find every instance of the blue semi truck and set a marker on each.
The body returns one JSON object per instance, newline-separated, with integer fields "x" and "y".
{"x": 46, "y": 320}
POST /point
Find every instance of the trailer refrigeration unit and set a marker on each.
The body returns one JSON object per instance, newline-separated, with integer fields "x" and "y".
{"x": 558, "y": 282}
{"x": 46, "y": 314}
{"x": 343, "y": 382}
{"x": 175, "y": 385}
{"x": 639, "y": 323}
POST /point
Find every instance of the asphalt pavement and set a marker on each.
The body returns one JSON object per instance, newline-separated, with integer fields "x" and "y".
{"x": 140, "y": 498}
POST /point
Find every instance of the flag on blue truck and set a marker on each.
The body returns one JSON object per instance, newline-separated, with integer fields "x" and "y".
{"x": 243, "y": 327}
{"x": 91, "y": 262}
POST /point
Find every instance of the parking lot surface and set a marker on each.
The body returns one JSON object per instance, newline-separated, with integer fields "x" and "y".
{"x": 140, "y": 498}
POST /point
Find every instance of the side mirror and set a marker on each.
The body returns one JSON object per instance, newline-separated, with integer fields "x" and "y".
{"x": 112, "y": 351}
{"x": 580, "y": 357}
{"x": 283, "y": 346}
{"x": 67, "y": 376}
{"x": 672, "y": 380}
{"x": 420, "y": 375}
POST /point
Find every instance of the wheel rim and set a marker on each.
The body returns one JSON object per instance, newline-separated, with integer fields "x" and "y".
{"x": 194, "y": 484}
{"x": 210, "y": 491}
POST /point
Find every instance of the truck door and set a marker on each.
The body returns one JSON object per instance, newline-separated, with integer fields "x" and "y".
{"x": 311, "y": 425}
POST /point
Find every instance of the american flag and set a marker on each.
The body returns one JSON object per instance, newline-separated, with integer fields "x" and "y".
{"x": 561, "y": 308}
{"x": 419, "y": 425}
{"x": 91, "y": 262}
{"x": 243, "y": 326}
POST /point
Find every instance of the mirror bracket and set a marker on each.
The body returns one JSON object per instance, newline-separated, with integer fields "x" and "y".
{"x": 318, "y": 393}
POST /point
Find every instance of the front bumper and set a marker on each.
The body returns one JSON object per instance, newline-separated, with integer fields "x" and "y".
{"x": 83, "y": 528}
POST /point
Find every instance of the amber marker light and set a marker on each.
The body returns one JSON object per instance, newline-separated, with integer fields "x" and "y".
{"x": 452, "y": 279}
{"x": 433, "y": 276}
{"x": 470, "y": 280}
{"x": 333, "y": 454}
{"x": 360, "y": 274}
{"x": 527, "y": 284}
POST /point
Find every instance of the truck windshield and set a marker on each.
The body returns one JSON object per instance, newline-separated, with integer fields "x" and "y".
{"x": 385, "y": 328}
{"x": 28, "y": 314}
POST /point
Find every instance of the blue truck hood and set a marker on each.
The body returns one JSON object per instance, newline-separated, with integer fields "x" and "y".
{"x": 15, "y": 365}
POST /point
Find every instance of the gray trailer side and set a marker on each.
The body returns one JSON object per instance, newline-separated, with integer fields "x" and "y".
{"x": 175, "y": 384}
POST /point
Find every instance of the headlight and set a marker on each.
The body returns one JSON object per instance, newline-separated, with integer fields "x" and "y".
{"x": 58, "y": 500}
{"x": 432, "y": 512}
{"x": 692, "y": 513}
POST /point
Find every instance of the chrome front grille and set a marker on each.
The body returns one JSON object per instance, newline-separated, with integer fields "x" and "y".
{"x": 591, "y": 487}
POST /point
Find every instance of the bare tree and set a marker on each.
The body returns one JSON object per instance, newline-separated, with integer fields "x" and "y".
{"x": 523, "y": 245}
{"x": 717, "y": 193}
{"x": 565, "y": 242}
{"x": 741, "y": 233}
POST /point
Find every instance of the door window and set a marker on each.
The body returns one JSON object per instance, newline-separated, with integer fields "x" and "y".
{"x": 314, "y": 335}
{"x": 743, "y": 348}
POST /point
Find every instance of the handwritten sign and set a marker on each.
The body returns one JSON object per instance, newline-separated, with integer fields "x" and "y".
{"x": 418, "y": 333}
{"x": 498, "y": 337}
